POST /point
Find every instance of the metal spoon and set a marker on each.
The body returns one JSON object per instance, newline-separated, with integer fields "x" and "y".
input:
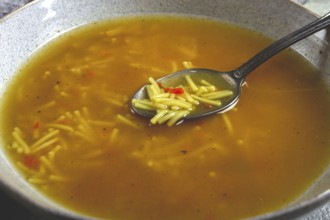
{"x": 234, "y": 79}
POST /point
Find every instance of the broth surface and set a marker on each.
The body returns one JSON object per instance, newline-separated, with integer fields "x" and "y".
{"x": 69, "y": 130}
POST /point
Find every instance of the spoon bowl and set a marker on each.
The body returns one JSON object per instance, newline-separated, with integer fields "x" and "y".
{"x": 221, "y": 80}
{"x": 232, "y": 80}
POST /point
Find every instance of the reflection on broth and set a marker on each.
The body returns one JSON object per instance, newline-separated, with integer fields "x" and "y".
{"x": 70, "y": 132}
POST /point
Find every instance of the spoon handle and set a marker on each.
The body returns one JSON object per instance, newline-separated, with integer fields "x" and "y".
{"x": 281, "y": 44}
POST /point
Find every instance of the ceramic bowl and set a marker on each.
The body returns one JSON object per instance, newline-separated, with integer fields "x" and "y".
{"x": 31, "y": 27}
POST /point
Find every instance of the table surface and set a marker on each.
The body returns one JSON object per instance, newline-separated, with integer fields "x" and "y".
{"x": 15, "y": 211}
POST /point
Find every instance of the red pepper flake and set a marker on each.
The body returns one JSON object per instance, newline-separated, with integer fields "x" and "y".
{"x": 31, "y": 161}
{"x": 107, "y": 54}
{"x": 177, "y": 90}
{"x": 91, "y": 73}
{"x": 36, "y": 125}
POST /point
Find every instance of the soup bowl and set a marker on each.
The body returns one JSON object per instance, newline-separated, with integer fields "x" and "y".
{"x": 33, "y": 26}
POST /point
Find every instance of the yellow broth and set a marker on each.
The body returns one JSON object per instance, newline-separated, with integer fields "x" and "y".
{"x": 70, "y": 132}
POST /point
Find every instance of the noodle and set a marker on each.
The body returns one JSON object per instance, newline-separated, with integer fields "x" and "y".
{"x": 218, "y": 94}
{"x": 61, "y": 127}
{"x": 37, "y": 181}
{"x": 178, "y": 115}
{"x": 159, "y": 115}
{"x": 191, "y": 83}
{"x": 114, "y": 135}
{"x": 207, "y": 101}
{"x": 187, "y": 64}
{"x": 178, "y": 99}
{"x": 45, "y": 138}
{"x": 115, "y": 102}
{"x": 47, "y": 163}
{"x": 127, "y": 121}
{"x": 45, "y": 145}
{"x": 20, "y": 141}
{"x": 228, "y": 123}
{"x": 57, "y": 178}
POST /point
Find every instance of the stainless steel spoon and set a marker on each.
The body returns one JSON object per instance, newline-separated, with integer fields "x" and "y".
{"x": 234, "y": 79}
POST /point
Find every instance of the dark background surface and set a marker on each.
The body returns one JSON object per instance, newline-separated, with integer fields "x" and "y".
{"x": 12, "y": 210}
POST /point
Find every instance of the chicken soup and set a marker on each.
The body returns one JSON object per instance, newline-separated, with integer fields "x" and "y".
{"x": 68, "y": 128}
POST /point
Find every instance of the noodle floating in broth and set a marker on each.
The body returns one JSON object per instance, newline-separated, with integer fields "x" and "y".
{"x": 69, "y": 131}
